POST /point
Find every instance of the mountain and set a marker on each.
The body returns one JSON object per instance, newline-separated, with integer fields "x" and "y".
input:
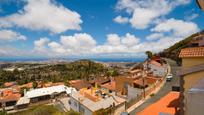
{"x": 173, "y": 51}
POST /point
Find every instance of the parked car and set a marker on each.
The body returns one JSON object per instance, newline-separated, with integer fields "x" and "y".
{"x": 169, "y": 77}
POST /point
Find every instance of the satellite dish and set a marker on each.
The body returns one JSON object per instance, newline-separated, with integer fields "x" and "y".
{"x": 200, "y": 4}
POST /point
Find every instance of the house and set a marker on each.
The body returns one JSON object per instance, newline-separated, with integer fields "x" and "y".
{"x": 197, "y": 41}
{"x": 47, "y": 93}
{"x": 167, "y": 105}
{"x": 110, "y": 86}
{"x": 94, "y": 101}
{"x": 157, "y": 68}
{"x": 8, "y": 98}
{"x": 10, "y": 84}
{"x": 192, "y": 71}
{"x": 79, "y": 84}
{"x": 195, "y": 99}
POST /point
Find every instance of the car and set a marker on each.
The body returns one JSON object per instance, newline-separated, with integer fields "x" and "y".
{"x": 169, "y": 77}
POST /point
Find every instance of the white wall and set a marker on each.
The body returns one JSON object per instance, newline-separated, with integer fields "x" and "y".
{"x": 76, "y": 106}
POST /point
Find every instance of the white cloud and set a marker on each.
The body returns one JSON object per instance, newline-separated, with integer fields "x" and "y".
{"x": 179, "y": 28}
{"x": 142, "y": 18}
{"x": 9, "y": 35}
{"x": 43, "y": 15}
{"x": 121, "y": 20}
{"x": 155, "y": 36}
{"x": 144, "y": 12}
{"x": 78, "y": 42}
{"x": 113, "y": 39}
{"x": 41, "y": 45}
{"x": 191, "y": 17}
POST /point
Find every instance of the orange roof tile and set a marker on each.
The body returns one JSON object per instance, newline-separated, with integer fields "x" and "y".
{"x": 155, "y": 63}
{"x": 192, "y": 52}
{"x": 166, "y": 104}
{"x": 110, "y": 85}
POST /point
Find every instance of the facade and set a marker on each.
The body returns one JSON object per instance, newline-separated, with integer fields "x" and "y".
{"x": 192, "y": 71}
{"x": 91, "y": 101}
{"x": 195, "y": 99}
{"x": 157, "y": 68}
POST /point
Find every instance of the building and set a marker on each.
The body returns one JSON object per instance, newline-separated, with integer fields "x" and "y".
{"x": 47, "y": 93}
{"x": 157, "y": 68}
{"x": 192, "y": 71}
{"x": 167, "y": 105}
{"x": 94, "y": 101}
{"x": 197, "y": 41}
{"x": 8, "y": 98}
{"x": 195, "y": 99}
{"x": 80, "y": 84}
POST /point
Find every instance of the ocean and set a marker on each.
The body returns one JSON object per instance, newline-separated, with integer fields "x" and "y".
{"x": 3, "y": 59}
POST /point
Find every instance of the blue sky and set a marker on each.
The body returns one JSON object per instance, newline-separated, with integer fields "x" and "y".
{"x": 90, "y": 28}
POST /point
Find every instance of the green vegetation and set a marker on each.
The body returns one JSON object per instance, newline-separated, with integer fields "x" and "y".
{"x": 44, "y": 110}
{"x": 173, "y": 51}
{"x": 149, "y": 54}
{"x": 82, "y": 69}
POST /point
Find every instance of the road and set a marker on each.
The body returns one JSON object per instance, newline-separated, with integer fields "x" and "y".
{"x": 163, "y": 91}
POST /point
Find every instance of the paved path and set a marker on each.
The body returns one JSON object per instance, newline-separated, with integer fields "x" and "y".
{"x": 163, "y": 91}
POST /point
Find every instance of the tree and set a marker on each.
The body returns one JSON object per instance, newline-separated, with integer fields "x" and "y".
{"x": 35, "y": 84}
{"x": 149, "y": 54}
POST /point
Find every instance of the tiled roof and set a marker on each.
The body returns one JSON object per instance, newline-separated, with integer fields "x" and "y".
{"x": 192, "y": 52}
{"x": 110, "y": 85}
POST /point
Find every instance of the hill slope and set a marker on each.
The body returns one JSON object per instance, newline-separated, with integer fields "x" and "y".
{"x": 173, "y": 51}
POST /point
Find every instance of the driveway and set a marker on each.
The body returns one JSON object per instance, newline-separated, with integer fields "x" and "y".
{"x": 163, "y": 91}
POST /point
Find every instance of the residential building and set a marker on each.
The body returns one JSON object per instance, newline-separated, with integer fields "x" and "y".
{"x": 192, "y": 71}
{"x": 195, "y": 99}
{"x": 8, "y": 98}
{"x": 197, "y": 41}
{"x": 157, "y": 68}
{"x": 41, "y": 94}
{"x": 93, "y": 101}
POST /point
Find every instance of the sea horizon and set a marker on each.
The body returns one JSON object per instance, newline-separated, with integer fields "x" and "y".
{"x": 14, "y": 59}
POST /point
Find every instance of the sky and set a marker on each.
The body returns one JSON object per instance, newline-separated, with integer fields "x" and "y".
{"x": 94, "y": 28}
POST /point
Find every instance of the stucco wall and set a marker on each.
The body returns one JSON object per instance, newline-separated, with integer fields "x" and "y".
{"x": 191, "y": 79}
{"x": 195, "y": 103}
{"x": 188, "y": 62}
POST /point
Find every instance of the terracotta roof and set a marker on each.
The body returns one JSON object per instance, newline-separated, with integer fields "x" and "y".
{"x": 166, "y": 104}
{"x": 9, "y": 84}
{"x": 110, "y": 85}
{"x": 192, "y": 52}
{"x": 79, "y": 84}
{"x": 155, "y": 63}
{"x": 9, "y": 95}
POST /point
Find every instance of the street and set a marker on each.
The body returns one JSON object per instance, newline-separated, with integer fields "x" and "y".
{"x": 163, "y": 91}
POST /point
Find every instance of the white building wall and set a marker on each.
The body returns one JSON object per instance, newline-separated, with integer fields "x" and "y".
{"x": 76, "y": 106}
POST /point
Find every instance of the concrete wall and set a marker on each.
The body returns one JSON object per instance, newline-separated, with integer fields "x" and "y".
{"x": 188, "y": 62}
{"x": 195, "y": 103}
{"x": 121, "y": 83}
{"x": 76, "y": 106}
{"x": 133, "y": 93}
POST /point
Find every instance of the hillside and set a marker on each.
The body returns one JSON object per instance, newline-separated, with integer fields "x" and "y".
{"x": 173, "y": 51}
{"x": 54, "y": 72}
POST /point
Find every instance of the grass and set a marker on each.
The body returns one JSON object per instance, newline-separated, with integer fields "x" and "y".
{"x": 44, "y": 110}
